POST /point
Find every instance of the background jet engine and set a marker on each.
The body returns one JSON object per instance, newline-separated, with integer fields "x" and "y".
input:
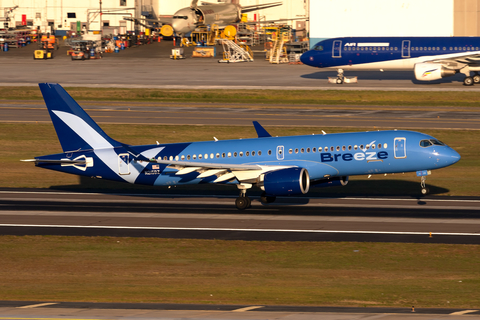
{"x": 428, "y": 71}
{"x": 332, "y": 182}
{"x": 285, "y": 182}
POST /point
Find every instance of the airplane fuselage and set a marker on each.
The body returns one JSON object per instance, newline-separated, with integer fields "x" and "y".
{"x": 323, "y": 156}
{"x": 186, "y": 20}
{"x": 430, "y": 58}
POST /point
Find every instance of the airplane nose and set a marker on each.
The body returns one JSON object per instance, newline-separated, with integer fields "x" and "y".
{"x": 446, "y": 157}
{"x": 307, "y": 58}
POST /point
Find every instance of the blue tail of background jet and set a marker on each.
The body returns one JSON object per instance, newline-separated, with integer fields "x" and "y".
{"x": 74, "y": 127}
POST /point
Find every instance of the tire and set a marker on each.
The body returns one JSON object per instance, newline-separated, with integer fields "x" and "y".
{"x": 339, "y": 81}
{"x": 468, "y": 81}
{"x": 425, "y": 191}
{"x": 476, "y": 78}
{"x": 242, "y": 203}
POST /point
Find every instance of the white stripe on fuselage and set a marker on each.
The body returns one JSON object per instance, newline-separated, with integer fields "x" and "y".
{"x": 102, "y": 148}
{"x": 403, "y": 63}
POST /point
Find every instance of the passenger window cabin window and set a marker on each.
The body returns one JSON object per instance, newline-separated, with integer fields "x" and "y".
{"x": 183, "y": 158}
{"x": 269, "y": 152}
{"x": 355, "y": 147}
{"x": 241, "y": 154}
{"x": 247, "y": 154}
{"x": 344, "y": 148}
{"x": 188, "y": 157}
{"x": 235, "y": 154}
{"x": 290, "y": 151}
{"x": 379, "y": 146}
{"x": 361, "y": 146}
{"x": 349, "y": 148}
{"x": 194, "y": 157}
{"x": 259, "y": 152}
{"x": 296, "y": 150}
{"x": 314, "y": 150}
{"x": 218, "y": 155}
{"x": 223, "y": 155}
{"x": 199, "y": 156}
{"x": 302, "y": 150}
{"x": 253, "y": 153}
{"x": 123, "y": 3}
{"x": 338, "y": 148}
{"x": 308, "y": 150}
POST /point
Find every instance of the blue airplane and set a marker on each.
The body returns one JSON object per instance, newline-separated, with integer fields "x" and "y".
{"x": 430, "y": 58}
{"x": 280, "y": 166}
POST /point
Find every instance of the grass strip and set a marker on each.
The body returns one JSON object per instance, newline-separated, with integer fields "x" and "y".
{"x": 104, "y": 269}
{"x": 25, "y": 141}
{"x": 282, "y": 97}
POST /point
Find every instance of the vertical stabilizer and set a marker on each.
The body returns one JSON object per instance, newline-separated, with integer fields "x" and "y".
{"x": 74, "y": 127}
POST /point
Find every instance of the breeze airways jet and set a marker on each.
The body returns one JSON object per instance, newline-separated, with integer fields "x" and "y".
{"x": 280, "y": 166}
{"x": 430, "y": 58}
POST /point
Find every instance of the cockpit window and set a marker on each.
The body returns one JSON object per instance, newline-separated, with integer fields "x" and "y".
{"x": 437, "y": 142}
{"x": 180, "y": 17}
{"x": 425, "y": 143}
{"x": 318, "y": 48}
{"x": 431, "y": 142}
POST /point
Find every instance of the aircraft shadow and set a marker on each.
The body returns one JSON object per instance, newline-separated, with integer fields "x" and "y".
{"x": 364, "y": 188}
{"x": 387, "y": 75}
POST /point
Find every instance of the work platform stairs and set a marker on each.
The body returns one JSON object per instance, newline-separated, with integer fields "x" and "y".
{"x": 279, "y": 52}
{"x": 232, "y": 52}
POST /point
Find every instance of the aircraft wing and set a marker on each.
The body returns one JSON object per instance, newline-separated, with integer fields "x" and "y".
{"x": 161, "y": 21}
{"x": 245, "y": 173}
{"x": 246, "y": 9}
{"x": 468, "y": 58}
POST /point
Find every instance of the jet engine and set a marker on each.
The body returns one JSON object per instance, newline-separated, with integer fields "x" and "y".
{"x": 332, "y": 182}
{"x": 428, "y": 71}
{"x": 285, "y": 182}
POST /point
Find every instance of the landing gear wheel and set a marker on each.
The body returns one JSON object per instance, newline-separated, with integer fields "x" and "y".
{"x": 267, "y": 199}
{"x": 425, "y": 191}
{"x": 468, "y": 81}
{"x": 476, "y": 78}
{"x": 242, "y": 203}
{"x": 339, "y": 81}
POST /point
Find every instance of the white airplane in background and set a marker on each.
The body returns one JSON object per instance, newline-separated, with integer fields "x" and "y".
{"x": 187, "y": 19}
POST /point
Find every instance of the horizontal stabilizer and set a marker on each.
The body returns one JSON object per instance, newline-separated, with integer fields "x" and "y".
{"x": 55, "y": 161}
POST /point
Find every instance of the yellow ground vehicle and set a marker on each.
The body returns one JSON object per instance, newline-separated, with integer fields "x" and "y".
{"x": 44, "y": 53}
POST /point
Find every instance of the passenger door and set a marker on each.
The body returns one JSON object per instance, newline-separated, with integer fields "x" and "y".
{"x": 400, "y": 151}
{"x": 337, "y": 49}
{"x": 406, "y": 49}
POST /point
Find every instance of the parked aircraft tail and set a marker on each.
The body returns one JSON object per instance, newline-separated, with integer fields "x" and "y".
{"x": 74, "y": 127}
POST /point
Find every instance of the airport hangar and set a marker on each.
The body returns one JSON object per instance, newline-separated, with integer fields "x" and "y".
{"x": 328, "y": 18}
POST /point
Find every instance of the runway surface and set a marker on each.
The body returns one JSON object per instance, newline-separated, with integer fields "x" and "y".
{"x": 28, "y": 310}
{"x": 242, "y": 115}
{"x": 448, "y": 220}
{"x": 150, "y": 67}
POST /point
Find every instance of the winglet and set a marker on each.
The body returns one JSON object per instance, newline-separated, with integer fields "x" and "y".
{"x": 262, "y": 133}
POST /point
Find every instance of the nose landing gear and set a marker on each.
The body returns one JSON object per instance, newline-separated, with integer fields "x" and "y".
{"x": 425, "y": 190}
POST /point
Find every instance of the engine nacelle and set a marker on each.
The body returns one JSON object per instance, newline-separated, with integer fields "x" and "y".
{"x": 428, "y": 71}
{"x": 332, "y": 182}
{"x": 285, "y": 182}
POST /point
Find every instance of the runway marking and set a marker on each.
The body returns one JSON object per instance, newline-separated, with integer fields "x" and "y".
{"x": 459, "y": 313}
{"x": 242, "y": 230}
{"x": 247, "y": 309}
{"x": 223, "y": 196}
{"x": 30, "y": 318}
{"x": 37, "y": 305}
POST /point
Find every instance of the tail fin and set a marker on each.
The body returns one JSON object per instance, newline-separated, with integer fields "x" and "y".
{"x": 75, "y": 129}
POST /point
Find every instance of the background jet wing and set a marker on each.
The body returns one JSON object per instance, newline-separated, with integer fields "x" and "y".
{"x": 143, "y": 22}
{"x": 246, "y": 9}
{"x": 470, "y": 58}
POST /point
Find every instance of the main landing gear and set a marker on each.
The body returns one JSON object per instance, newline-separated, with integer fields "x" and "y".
{"x": 243, "y": 202}
{"x": 470, "y": 81}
